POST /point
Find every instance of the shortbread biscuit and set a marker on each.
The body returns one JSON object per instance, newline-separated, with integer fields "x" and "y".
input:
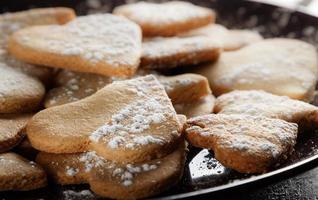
{"x": 44, "y": 74}
{"x": 185, "y": 88}
{"x": 102, "y": 43}
{"x": 12, "y": 130}
{"x": 114, "y": 180}
{"x": 126, "y": 121}
{"x": 166, "y": 19}
{"x": 202, "y": 106}
{"x": 229, "y": 40}
{"x": 166, "y": 53}
{"x": 244, "y": 143}
{"x": 260, "y": 103}
{"x": 263, "y": 66}
{"x": 17, "y": 173}
{"x": 18, "y": 92}
{"x": 11, "y": 22}
{"x": 73, "y": 86}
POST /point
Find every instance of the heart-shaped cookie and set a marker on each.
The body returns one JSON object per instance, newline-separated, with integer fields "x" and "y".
{"x": 202, "y": 106}
{"x": 102, "y": 43}
{"x": 171, "y": 52}
{"x": 73, "y": 86}
{"x": 114, "y": 180}
{"x": 245, "y": 143}
{"x": 260, "y": 103}
{"x": 185, "y": 88}
{"x": 126, "y": 121}
{"x": 229, "y": 39}
{"x": 11, "y": 22}
{"x": 280, "y": 66}
{"x": 166, "y": 19}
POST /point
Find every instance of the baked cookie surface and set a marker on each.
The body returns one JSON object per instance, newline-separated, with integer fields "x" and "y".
{"x": 260, "y": 103}
{"x": 102, "y": 44}
{"x": 263, "y": 66}
{"x": 229, "y": 40}
{"x": 11, "y": 22}
{"x": 18, "y": 173}
{"x": 166, "y": 19}
{"x": 12, "y": 130}
{"x": 19, "y": 92}
{"x": 244, "y": 143}
{"x": 115, "y": 180}
{"x": 127, "y": 121}
{"x": 172, "y": 52}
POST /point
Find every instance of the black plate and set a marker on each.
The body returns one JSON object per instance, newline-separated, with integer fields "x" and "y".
{"x": 203, "y": 174}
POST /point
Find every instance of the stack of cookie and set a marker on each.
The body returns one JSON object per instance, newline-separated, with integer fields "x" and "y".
{"x": 104, "y": 101}
{"x": 22, "y": 88}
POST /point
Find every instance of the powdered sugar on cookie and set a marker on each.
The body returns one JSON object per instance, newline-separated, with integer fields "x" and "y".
{"x": 130, "y": 122}
{"x": 163, "y": 13}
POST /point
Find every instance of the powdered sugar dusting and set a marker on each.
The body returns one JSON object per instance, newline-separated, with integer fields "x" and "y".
{"x": 127, "y": 173}
{"x": 165, "y": 13}
{"x": 247, "y": 134}
{"x": 123, "y": 173}
{"x": 140, "y": 116}
{"x": 189, "y": 50}
{"x": 95, "y": 38}
{"x": 127, "y": 128}
{"x": 260, "y": 103}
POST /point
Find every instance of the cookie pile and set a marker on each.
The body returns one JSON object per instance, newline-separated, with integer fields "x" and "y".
{"x": 104, "y": 98}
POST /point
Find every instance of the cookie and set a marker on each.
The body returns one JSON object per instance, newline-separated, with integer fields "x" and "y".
{"x": 12, "y": 130}
{"x": 11, "y": 22}
{"x": 202, "y": 106}
{"x": 260, "y": 103}
{"x": 17, "y": 173}
{"x": 126, "y": 121}
{"x": 115, "y": 180}
{"x": 230, "y": 40}
{"x": 73, "y": 86}
{"x": 44, "y": 74}
{"x": 245, "y": 143}
{"x": 185, "y": 88}
{"x": 19, "y": 92}
{"x": 172, "y": 52}
{"x": 102, "y": 44}
{"x": 166, "y": 19}
{"x": 263, "y": 66}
